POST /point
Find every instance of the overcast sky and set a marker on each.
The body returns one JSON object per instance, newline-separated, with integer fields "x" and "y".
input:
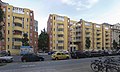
{"x": 98, "y": 11}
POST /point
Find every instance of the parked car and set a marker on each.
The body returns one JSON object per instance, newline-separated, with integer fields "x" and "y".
{"x": 31, "y": 58}
{"x": 78, "y": 54}
{"x": 6, "y": 59}
{"x": 95, "y": 54}
{"x": 60, "y": 55}
{"x": 51, "y": 52}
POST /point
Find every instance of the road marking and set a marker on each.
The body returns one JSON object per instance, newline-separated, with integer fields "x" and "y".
{"x": 27, "y": 65}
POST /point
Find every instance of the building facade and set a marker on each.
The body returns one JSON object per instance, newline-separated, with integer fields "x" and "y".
{"x": 99, "y": 35}
{"x": 115, "y": 29}
{"x": 106, "y": 38}
{"x": 17, "y": 22}
{"x": 57, "y": 28}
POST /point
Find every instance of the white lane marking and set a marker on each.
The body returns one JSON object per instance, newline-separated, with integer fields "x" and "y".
{"x": 27, "y": 65}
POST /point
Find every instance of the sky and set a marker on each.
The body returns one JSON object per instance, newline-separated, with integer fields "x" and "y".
{"x": 97, "y": 11}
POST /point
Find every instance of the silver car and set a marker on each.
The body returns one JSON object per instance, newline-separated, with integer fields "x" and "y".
{"x": 6, "y": 59}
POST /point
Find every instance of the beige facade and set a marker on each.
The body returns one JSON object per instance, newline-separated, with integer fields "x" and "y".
{"x": 17, "y": 22}
{"x": 57, "y": 28}
{"x": 99, "y": 35}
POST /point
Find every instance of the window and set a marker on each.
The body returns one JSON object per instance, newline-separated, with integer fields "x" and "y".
{"x": 60, "y": 47}
{"x": 8, "y": 32}
{"x": 8, "y": 24}
{"x": 30, "y": 40}
{"x": 51, "y": 17}
{"x": 8, "y": 9}
{"x": 8, "y": 46}
{"x": 61, "y": 41}
{"x": 27, "y": 13}
{"x": 27, "y": 26}
{"x": 54, "y": 18}
{"x": 60, "y": 29}
{"x": 31, "y": 14}
{"x": 8, "y": 17}
{"x": 8, "y": 39}
{"x": 87, "y": 24}
{"x": 31, "y": 19}
{"x": 60, "y": 18}
{"x": 30, "y": 34}
{"x": 98, "y": 26}
{"x": 58, "y": 54}
{"x": 4, "y": 9}
{"x": 30, "y": 27}
{"x": 27, "y": 19}
{"x": 60, "y": 35}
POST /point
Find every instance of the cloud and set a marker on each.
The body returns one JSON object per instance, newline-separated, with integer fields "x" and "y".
{"x": 80, "y": 4}
{"x": 42, "y": 24}
{"x": 111, "y": 17}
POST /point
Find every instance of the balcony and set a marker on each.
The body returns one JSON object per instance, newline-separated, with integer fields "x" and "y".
{"x": 60, "y": 32}
{"x": 18, "y": 28}
{"x": 60, "y": 44}
{"x": 107, "y": 45}
{"x": 99, "y": 41}
{"x": 17, "y": 36}
{"x": 108, "y": 41}
{"x": 17, "y": 43}
{"x": 107, "y": 37}
{"x": 78, "y": 30}
{"x": 60, "y": 38}
{"x": 16, "y": 20}
{"x": 87, "y": 31}
{"x": 78, "y": 40}
{"x": 98, "y": 36}
{"x": 60, "y": 26}
{"x": 98, "y": 45}
{"x": 78, "y": 35}
{"x": 88, "y": 26}
{"x": 98, "y": 32}
{"x": 88, "y": 35}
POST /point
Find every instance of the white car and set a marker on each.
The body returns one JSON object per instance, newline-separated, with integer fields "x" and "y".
{"x": 6, "y": 59}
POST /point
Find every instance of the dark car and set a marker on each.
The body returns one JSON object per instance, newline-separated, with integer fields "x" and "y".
{"x": 95, "y": 54}
{"x": 31, "y": 58}
{"x": 78, "y": 54}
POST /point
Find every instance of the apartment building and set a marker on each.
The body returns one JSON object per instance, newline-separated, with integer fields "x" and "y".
{"x": 35, "y": 36}
{"x": 58, "y": 30}
{"x": 99, "y": 35}
{"x": 73, "y": 36}
{"x": 115, "y": 29}
{"x": 17, "y": 22}
{"x": 106, "y": 37}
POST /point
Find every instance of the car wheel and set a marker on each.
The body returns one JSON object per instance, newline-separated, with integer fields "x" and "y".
{"x": 67, "y": 57}
{"x": 24, "y": 60}
{"x": 4, "y": 61}
{"x": 56, "y": 58}
{"x": 41, "y": 59}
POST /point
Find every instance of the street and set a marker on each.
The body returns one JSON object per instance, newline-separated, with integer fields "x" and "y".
{"x": 71, "y": 65}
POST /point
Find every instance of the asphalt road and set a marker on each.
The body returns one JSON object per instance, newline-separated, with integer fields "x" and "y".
{"x": 71, "y": 65}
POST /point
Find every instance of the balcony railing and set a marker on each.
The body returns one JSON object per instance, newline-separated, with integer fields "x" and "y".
{"x": 17, "y": 43}
{"x": 16, "y": 20}
{"x": 17, "y": 36}
{"x": 18, "y": 28}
